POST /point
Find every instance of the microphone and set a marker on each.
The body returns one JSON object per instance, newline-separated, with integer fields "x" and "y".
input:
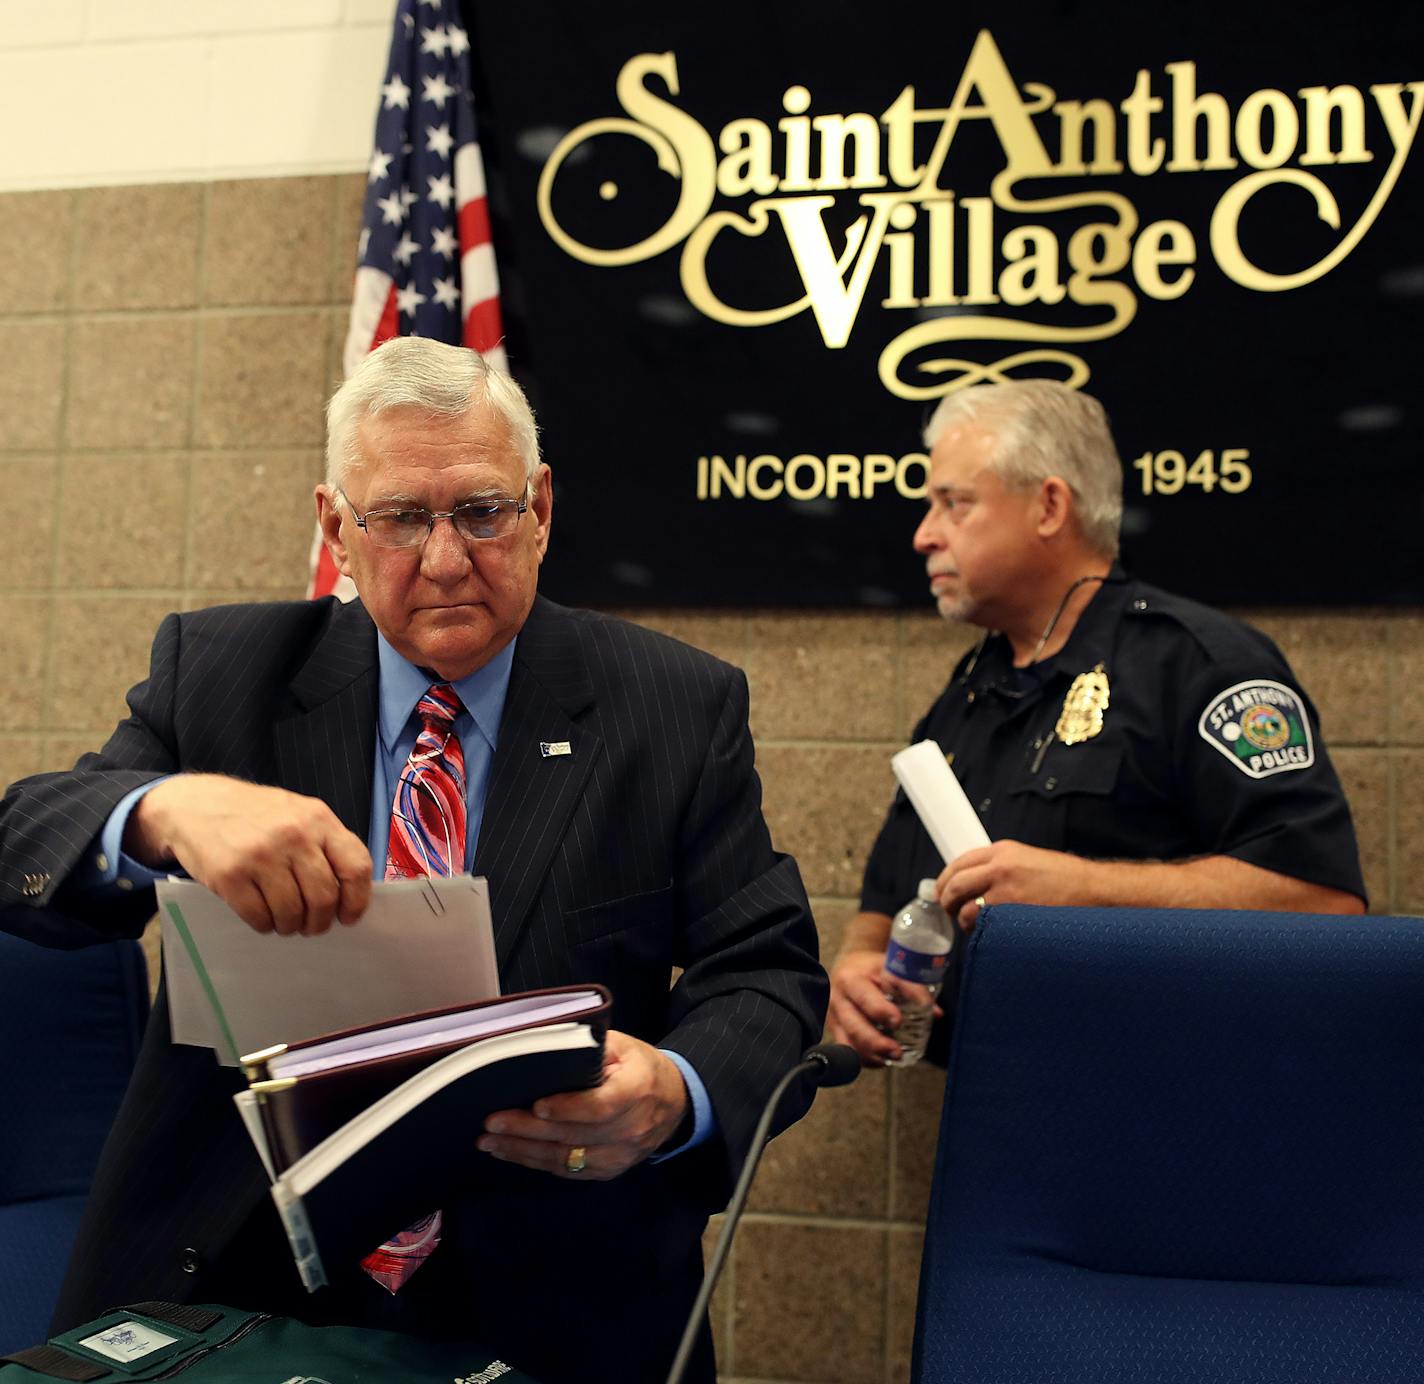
{"x": 827, "y": 1064}
{"x": 839, "y": 1064}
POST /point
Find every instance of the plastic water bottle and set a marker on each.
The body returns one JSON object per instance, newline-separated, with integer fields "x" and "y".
{"x": 921, "y": 939}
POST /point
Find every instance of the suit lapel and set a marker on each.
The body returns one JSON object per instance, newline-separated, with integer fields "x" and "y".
{"x": 532, "y": 793}
{"x": 324, "y": 748}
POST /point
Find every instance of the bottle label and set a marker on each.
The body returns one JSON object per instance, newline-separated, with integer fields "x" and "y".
{"x": 920, "y": 968}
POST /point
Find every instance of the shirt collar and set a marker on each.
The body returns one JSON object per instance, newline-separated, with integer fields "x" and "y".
{"x": 1090, "y": 643}
{"x": 1092, "y": 639}
{"x": 403, "y": 685}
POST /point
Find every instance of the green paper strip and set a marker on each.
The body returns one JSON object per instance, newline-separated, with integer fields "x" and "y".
{"x": 202, "y": 972}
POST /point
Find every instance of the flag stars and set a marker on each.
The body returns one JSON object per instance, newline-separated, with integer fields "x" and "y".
{"x": 392, "y": 210}
{"x": 443, "y": 242}
{"x": 439, "y": 140}
{"x": 405, "y": 248}
{"x": 409, "y": 298}
{"x": 363, "y": 242}
{"x": 397, "y": 93}
{"x": 380, "y": 166}
{"x": 458, "y": 40}
{"x": 442, "y": 191}
{"x": 407, "y": 199}
{"x": 434, "y": 41}
{"x": 436, "y": 90}
{"x": 446, "y": 294}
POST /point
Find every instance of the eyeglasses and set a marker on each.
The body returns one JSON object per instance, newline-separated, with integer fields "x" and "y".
{"x": 409, "y": 528}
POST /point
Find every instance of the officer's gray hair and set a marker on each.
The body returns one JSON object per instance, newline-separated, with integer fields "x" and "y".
{"x": 1042, "y": 428}
{"x": 416, "y": 372}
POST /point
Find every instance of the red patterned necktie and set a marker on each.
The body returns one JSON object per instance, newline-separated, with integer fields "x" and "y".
{"x": 427, "y": 838}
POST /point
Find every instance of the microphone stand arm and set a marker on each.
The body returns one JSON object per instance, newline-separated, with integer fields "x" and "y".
{"x": 733, "y": 1212}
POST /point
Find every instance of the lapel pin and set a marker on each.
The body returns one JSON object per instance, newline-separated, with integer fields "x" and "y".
{"x": 550, "y": 748}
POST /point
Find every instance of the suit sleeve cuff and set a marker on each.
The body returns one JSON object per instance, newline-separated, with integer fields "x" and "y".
{"x": 109, "y": 869}
{"x": 704, "y": 1121}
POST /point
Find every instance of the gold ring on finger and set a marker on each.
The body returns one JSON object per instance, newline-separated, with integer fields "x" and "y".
{"x": 576, "y": 1160}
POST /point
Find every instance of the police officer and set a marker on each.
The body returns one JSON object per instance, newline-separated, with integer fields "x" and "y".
{"x": 1122, "y": 745}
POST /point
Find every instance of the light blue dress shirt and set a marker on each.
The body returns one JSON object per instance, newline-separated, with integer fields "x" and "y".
{"x": 402, "y": 685}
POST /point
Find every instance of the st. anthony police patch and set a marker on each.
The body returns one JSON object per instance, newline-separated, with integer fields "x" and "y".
{"x": 1261, "y": 727}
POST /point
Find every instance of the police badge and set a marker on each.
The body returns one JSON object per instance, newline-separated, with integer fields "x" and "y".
{"x": 1082, "y": 715}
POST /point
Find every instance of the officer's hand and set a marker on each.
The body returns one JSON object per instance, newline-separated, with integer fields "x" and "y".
{"x": 860, "y": 1014}
{"x": 282, "y": 862}
{"x": 632, "y": 1114}
{"x": 1010, "y": 872}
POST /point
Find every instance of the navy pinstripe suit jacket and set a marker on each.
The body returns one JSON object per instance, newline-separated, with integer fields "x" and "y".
{"x": 641, "y": 852}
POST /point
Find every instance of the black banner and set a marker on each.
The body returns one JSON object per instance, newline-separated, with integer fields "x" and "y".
{"x": 746, "y": 248}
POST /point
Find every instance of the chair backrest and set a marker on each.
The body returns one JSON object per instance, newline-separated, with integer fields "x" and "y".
{"x": 70, "y": 1027}
{"x": 1180, "y": 1145}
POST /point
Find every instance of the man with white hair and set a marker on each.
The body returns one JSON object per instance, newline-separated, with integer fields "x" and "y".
{"x": 1122, "y": 745}
{"x": 598, "y": 775}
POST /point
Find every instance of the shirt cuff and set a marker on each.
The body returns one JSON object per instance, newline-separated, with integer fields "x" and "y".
{"x": 110, "y": 870}
{"x": 704, "y": 1120}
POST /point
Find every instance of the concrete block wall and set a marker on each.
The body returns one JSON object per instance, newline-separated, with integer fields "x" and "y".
{"x": 168, "y": 350}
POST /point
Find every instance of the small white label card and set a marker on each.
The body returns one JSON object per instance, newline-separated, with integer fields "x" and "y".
{"x": 127, "y": 1341}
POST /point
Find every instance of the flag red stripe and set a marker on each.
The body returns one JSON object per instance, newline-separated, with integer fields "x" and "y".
{"x": 484, "y": 328}
{"x": 389, "y": 325}
{"x": 324, "y": 578}
{"x": 474, "y": 224}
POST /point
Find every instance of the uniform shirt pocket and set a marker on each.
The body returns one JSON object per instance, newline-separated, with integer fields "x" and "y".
{"x": 1063, "y": 805}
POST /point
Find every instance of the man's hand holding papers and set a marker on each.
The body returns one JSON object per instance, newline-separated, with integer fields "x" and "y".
{"x": 282, "y": 862}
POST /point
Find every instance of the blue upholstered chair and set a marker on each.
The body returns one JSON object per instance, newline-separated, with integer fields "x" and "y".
{"x": 70, "y": 1024}
{"x": 1180, "y": 1147}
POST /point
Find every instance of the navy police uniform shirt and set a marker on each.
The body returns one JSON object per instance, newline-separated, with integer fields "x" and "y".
{"x": 1162, "y": 730}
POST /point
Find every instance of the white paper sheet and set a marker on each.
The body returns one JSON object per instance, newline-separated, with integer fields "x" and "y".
{"x": 937, "y": 798}
{"x": 422, "y": 944}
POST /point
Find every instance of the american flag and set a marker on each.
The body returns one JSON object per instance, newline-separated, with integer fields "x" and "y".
{"x": 426, "y": 263}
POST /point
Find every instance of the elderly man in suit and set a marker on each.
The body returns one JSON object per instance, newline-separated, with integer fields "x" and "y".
{"x": 284, "y": 755}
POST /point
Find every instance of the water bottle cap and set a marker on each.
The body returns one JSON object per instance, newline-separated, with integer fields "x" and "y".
{"x": 927, "y": 892}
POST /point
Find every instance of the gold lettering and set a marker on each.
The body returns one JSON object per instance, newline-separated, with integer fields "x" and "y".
{"x": 1163, "y": 242}
{"x": 747, "y": 165}
{"x": 695, "y": 283}
{"x": 1320, "y": 104}
{"x": 797, "y": 129}
{"x": 1073, "y": 116}
{"x": 755, "y": 488}
{"x": 1402, "y": 125}
{"x": 903, "y": 483}
{"x": 734, "y": 478}
{"x": 1089, "y": 264}
{"x": 1032, "y": 274}
{"x": 940, "y": 215}
{"x": 980, "y": 211}
{"x": 1144, "y": 154}
{"x": 684, "y": 151}
{"x": 1250, "y": 124}
{"x": 835, "y": 301}
{"x": 842, "y": 470}
{"x": 878, "y": 468}
{"x": 818, "y": 471}
{"x": 902, "y": 259}
{"x": 1187, "y": 109}
{"x": 900, "y": 118}
{"x": 1012, "y": 118}
{"x": 864, "y": 130}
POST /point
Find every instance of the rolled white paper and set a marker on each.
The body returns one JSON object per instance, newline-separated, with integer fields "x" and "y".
{"x": 937, "y": 798}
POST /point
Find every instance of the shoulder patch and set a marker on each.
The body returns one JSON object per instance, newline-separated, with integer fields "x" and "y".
{"x": 1261, "y": 727}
